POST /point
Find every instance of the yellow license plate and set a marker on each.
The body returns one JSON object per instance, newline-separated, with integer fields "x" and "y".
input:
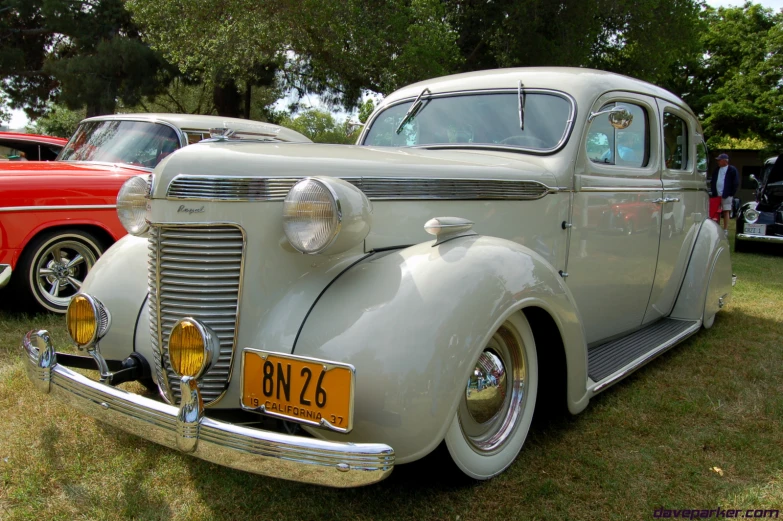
{"x": 305, "y": 390}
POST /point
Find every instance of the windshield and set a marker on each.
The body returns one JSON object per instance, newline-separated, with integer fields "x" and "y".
{"x": 133, "y": 142}
{"x": 477, "y": 119}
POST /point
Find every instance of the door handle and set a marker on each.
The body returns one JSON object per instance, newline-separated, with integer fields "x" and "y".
{"x": 672, "y": 200}
{"x": 659, "y": 201}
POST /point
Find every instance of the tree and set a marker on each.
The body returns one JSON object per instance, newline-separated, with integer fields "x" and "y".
{"x": 336, "y": 48}
{"x": 321, "y": 127}
{"x": 640, "y": 38}
{"x": 741, "y": 74}
{"x": 81, "y": 53}
{"x": 58, "y": 121}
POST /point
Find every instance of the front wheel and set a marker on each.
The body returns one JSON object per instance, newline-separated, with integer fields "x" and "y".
{"x": 55, "y": 264}
{"x": 495, "y": 411}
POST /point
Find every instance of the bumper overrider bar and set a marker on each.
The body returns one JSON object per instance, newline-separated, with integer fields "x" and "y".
{"x": 185, "y": 428}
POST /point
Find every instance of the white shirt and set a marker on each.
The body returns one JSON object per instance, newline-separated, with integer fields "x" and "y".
{"x": 721, "y": 178}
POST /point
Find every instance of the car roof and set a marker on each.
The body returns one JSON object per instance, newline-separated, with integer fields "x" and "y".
{"x": 202, "y": 123}
{"x": 579, "y": 82}
{"x": 34, "y": 138}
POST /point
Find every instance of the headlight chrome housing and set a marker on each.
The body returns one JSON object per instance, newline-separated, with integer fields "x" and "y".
{"x": 192, "y": 348}
{"x": 87, "y": 319}
{"x": 132, "y": 205}
{"x": 325, "y": 215}
{"x": 751, "y": 215}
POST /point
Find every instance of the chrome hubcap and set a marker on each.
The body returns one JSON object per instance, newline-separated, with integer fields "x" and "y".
{"x": 494, "y": 397}
{"x": 61, "y": 269}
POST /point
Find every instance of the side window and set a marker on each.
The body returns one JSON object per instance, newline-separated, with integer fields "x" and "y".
{"x": 628, "y": 147}
{"x": 195, "y": 137}
{"x": 701, "y": 158}
{"x": 675, "y": 142}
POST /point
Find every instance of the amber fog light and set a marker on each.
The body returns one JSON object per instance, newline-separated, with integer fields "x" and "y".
{"x": 192, "y": 347}
{"x": 87, "y": 320}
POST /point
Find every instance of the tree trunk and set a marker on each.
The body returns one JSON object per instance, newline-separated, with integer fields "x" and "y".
{"x": 227, "y": 99}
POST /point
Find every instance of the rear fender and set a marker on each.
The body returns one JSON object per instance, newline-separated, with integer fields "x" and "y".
{"x": 413, "y": 322}
{"x": 707, "y": 284}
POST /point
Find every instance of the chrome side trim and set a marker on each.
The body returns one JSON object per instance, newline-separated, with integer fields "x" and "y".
{"x": 295, "y": 458}
{"x": 594, "y": 189}
{"x": 58, "y": 207}
{"x": 5, "y": 274}
{"x": 755, "y": 238}
{"x": 642, "y": 360}
{"x": 215, "y": 188}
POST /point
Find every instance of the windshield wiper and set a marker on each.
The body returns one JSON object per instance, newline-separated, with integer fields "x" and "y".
{"x": 522, "y": 98}
{"x": 413, "y": 110}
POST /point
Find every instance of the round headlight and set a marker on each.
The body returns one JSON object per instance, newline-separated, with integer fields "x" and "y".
{"x": 751, "y": 215}
{"x": 87, "y": 320}
{"x": 311, "y": 216}
{"x": 132, "y": 205}
{"x": 192, "y": 346}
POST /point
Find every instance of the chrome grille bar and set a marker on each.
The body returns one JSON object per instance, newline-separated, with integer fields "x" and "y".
{"x": 186, "y": 187}
{"x": 195, "y": 271}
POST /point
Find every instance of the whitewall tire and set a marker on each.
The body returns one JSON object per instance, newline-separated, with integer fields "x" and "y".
{"x": 494, "y": 416}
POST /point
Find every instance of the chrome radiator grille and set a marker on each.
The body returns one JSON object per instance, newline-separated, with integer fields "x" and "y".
{"x": 195, "y": 271}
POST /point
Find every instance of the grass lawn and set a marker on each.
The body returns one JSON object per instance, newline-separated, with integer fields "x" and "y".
{"x": 699, "y": 428}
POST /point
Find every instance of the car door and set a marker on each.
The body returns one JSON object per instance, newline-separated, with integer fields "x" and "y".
{"x": 615, "y": 220}
{"x": 684, "y": 205}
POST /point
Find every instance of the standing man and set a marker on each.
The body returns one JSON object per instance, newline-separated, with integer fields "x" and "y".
{"x": 724, "y": 184}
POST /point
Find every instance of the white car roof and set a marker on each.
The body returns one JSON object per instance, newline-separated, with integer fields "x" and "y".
{"x": 581, "y": 83}
{"x": 202, "y": 123}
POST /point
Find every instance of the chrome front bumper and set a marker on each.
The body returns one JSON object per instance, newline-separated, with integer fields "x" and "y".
{"x": 295, "y": 458}
{"x": 760, "y": 238}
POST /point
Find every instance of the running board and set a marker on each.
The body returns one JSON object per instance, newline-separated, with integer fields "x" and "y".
{"x": 611, "y": 362}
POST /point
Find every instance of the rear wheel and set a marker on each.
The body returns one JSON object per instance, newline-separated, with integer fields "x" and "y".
{"x": 495, "y": 411}
{"x": 54, "y": 265}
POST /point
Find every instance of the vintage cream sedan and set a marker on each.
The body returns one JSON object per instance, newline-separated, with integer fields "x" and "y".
{"x": 321, "y": 313}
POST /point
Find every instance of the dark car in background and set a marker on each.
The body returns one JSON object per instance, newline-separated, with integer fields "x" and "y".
{"x": 761, "y": 221}
{"x": 15, "y": 146}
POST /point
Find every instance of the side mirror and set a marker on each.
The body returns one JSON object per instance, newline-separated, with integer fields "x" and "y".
{"x": 753, "y": 178}
{"x": 619, "y": 116}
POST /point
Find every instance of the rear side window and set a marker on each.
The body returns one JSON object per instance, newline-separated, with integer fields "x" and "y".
{"x": 675, "y": 142}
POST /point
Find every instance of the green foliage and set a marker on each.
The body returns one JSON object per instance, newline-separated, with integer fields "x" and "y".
{"x": 84, "y": 53}
{"x": 366, "y": 110}
{"x": 58, "y": 121}
{"x": 5, "y": 115}
{"x": 321, "y": 127}
{"x": 742, "y": 74}
{"x": 394, "y": 43}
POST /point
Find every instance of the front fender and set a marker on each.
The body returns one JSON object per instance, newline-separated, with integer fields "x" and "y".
{"x": 119, "y": 280}
{"x": 707, "y": 283}
{"x": 414, "y": 321}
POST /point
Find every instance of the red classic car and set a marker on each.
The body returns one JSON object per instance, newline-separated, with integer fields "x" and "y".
{"x": 29, "y": 147}
{"x": 57, "y": 217}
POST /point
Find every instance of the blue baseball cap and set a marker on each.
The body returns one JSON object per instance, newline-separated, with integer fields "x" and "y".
{"x": 723, "y": 156}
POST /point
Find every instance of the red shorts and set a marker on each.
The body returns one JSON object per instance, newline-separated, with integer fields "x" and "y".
{"x": 715, "y": 211}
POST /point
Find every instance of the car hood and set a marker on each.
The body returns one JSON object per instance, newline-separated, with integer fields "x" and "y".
{"x": 29, "y": 169}
{"x": 229, "y": 159}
